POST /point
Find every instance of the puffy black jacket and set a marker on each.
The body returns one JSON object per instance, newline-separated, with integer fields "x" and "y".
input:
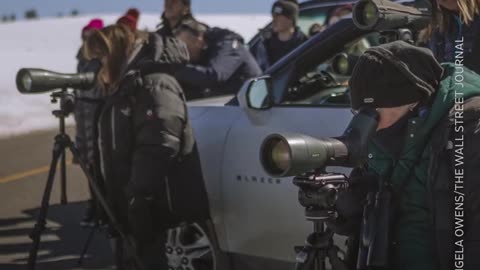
{"x": 270, "y": 49}
{"x": 146, "y": 140}
{"x": 225, "y": 65}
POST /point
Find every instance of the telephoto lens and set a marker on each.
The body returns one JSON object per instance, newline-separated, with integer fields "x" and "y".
{"x": 290, "y": 154}
{"x": 34, "y": 80}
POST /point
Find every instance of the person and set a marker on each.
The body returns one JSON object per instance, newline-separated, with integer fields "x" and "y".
{"x": 150, "y": 162}
{"x": 314, "y": 29}
{"x": 175, "y": 12}
{"x": 413, "y": 152}
{"x": 219, "y": 61}
{"x": 283, "y": 37}
{"x": 337, "y": 13}
{"x": 85, "y": 109}
{"x": 455, "y": 23}
{"x": 130, "y": 18}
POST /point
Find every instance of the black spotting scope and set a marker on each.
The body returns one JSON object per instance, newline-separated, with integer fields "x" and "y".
{"x": 290, "y": 154}
{"x": 34, "y": 80}
{"x": 387, "y": 15}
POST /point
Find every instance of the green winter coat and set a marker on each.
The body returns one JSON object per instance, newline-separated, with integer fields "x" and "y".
{"x": 413, "y": 243}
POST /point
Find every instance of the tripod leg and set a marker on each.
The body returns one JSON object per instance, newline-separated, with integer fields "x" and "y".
{"x": 306, "y": 259}
{"x": 87, "y": 244}
{"x": 63, "y": 174}
{"x": 42, "y": 215}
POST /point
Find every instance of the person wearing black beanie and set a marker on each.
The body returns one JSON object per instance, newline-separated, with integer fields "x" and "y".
{"x": 175, "y": 12}
{"x": 428, "y": 133}
{"x": 284, "y": 35}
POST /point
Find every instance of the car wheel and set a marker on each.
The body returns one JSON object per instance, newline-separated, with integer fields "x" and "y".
{"x": 189, "y": 247}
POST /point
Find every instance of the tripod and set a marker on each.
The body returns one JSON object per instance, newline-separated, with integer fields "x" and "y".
{"x": 318, "y": 194}
{"x": 62, "y": 142}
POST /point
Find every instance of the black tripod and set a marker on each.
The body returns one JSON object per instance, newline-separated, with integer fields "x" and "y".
{"x": 63, "y": 141}
{"x": 318, "y": 194}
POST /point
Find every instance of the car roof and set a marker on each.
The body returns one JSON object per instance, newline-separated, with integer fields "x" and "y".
{"x": 324, "y": 3}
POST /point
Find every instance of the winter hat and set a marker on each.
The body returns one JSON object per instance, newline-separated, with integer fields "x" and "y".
{"x": 133, "y": 12}
{"x": 287, "y": 8}
{"x": 187, "y": 2}
{"x": 93, "y": 24}
{"x": 129, "y": 21}
{"x": 394, "y": 74}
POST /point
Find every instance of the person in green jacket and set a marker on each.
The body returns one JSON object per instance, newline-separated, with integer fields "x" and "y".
{"x": 426, "y": 151}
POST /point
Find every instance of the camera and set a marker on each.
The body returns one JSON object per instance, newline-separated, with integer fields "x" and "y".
{"x": 306, "y": 158}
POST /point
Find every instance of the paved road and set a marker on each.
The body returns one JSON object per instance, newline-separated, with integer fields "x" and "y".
{"x": 24, "y": 162}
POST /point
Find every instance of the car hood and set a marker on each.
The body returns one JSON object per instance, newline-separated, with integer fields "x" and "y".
{"x": 198, "y": 107}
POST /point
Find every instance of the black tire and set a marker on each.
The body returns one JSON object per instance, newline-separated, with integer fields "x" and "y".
{"x": 193, "y": 247}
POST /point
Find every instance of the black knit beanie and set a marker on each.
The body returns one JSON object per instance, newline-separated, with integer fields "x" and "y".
{"x": 287, "y": 8}
{"x": 187, "y": 2}
{"x": 394, "y": 74}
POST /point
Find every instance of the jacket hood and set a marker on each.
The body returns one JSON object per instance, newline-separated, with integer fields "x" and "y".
{"x": 215, "y": 34}
{"x": 451, "y": 91}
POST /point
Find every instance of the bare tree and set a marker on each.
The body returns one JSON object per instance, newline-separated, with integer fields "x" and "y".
{"x": 31, "y": 14}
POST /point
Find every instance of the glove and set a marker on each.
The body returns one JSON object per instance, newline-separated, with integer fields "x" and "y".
{"x": 350, "y": 202}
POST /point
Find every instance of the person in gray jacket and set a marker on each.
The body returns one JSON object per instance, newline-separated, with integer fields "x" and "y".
{"x": 86, "y": 107}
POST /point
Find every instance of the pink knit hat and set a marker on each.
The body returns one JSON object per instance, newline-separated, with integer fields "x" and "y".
{"x": 93, "y": 24}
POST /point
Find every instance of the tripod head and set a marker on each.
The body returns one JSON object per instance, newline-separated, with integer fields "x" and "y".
{"x": 67, "y": 102}
{"x": 318, "y": 193}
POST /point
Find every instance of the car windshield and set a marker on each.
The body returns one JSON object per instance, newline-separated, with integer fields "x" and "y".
{"x": 326, "y": 83}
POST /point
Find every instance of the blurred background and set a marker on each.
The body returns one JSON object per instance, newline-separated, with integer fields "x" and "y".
{"x": 47, "y": 34}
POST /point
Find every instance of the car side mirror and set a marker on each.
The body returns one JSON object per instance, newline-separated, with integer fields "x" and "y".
{"x": 258, "y": 93}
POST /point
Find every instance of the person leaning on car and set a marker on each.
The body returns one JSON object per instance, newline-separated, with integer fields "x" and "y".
{"x": 149, "y": 158}
{"x": 283, "y": 37}
{"x": 219, "y": 61}
{"x": 416, "y": 99}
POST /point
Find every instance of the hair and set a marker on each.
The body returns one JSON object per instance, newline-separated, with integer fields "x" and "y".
{"x": 115, "y": 42}
{"x": 468, "y": 10}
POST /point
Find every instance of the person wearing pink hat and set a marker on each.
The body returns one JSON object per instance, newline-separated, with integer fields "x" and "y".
{"x": 84, "y": 115}
{"x": 92, "y": 25}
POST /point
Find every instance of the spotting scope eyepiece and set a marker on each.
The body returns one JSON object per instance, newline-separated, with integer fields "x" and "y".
{"x": 33, "y": 80}
{"x": 386, "y": 15}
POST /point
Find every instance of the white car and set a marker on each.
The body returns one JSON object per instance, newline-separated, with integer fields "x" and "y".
{"x": 257, "y": 218}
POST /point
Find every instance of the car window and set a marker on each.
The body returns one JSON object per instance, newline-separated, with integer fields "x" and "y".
{"x": 325, "y": 84}
{"x": 312, "y": 16}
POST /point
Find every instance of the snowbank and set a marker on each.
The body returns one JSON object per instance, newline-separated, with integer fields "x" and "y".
{"x": 52, "y": 44}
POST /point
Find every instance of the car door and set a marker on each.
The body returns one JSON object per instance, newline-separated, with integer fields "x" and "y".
{"x": 262, "y": 215}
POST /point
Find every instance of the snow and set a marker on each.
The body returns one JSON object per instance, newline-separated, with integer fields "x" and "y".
{"x": 52, "y": 43}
